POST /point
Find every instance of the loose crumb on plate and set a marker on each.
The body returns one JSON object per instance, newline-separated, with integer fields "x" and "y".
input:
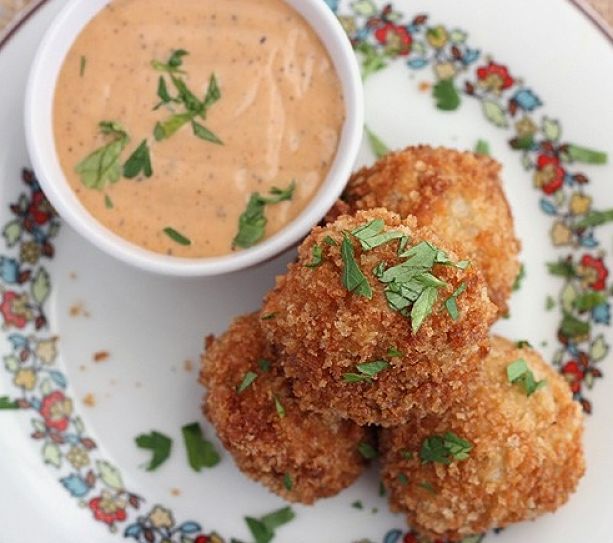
{"x": 175, "y": 491}
{"x": 101, "y": 356}
{"x": 424, "y": 86}
{"x": 188, "y": 366}
{"x": 78, "y": 310}
{"x": 89, "y": 400}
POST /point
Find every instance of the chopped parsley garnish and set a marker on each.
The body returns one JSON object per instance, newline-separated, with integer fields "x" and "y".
{"x": 367, "y": 371}
{"x": 427, "y": 486}
{"x": 279, "y": 407}
{"x": 159, "y": 444}
{"x": 317, "y": 257}
{"x": 247, "y": 381}
{"x": 393, "y": 352}
{"x": 6, "y": 403}
{"x": 482, "y": 147}
{"x": 403, "y": 479}
{"x": 367, "y": 451}
{"x": 102, "y": 167}
{"x": 82, "y": 65}
{"x": 372, "y": 235}
{"x": 523, "y": 344}
{"x": 193, "y": 106}
{"x": 176, "y": 236}
{"x": 268, "y": 316}
{"x": 520, "y": 278}
{"x": 406, "y": 455}
{"x": 550, "y": 303}
{"x": 381, "y": 489}
{"x": 452, "y": 304}
{"x": 139, "y": 162}
{"x": 288, "y": 483}
{"x": 378, "y": 147}
{"x": 108, "y": 203}
{"x": 353, "y": 278}
{"x": 330, "y": 241}
{"x": 264, "y": 365}
{"x": 200, "y": 452}
{"x": 263, "y": 529}
{"x": 357, "y": 505}
{"x": 442, "y": 449}
{"x": 519, "y": 372}
{"x": 252, "y": 222}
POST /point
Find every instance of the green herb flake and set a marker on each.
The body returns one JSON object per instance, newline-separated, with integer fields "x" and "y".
{"x": 377, "y": 146}
{"x": 7, "y": 403}
{"x": 550, "y": 303}
{"x": 393, "y": 352}
{"x": 367, "y": 451}
{"x": 427, "y": 486}
{"x": 138, "y": 162}
{"x": 213, "y": 93}
{"x": 357, "y": 505}
{"x": 159, "y": 444}
{"x": 451, "y": 304}
{"x": 82, "y": 65}
{"x": 288, "y": 483}
{"x": 252, "y": 222}
{"x": 519, "y": 372}
{"x": 381, "y": 489}
{"x": 247, "y": 381}
{"x": 482, "y": 147}
{"x": 353, "y": 278}
{"x": 102, "y": 167}
{"x": 205, "y": 134}
{"x": 174, "y": 62}
{"x": 108, "y": 203}
{"x": 404, "y": 240}
{"x": 523, "y": 344}
{"x": 367, "y": 371}
{"x": 316, "y": 258}
{"x": 330, "y": 241}
{"x": 268, "y": 316}
{"x": 372, "y": 234}
{"x": 279, "y": 407}
{"x": 176, "y": 236}
{"x": 422, "y": 308}
{"x": 403, "y": 479}
{"x": 263, "y": 529}
{"x": 264, "y": 365}
{"x": 517, "y": 284}
{"x": 406, "y": 455}
{"x": 201, "y": 453}
{"x": 442, "y": 449}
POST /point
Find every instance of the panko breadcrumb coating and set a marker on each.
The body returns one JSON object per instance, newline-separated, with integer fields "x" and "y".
{"x": 458, "y": 194}
{"x": 526, "y": 456}
{"x": 323, "y": 331}
{"x": 299, "y": 456}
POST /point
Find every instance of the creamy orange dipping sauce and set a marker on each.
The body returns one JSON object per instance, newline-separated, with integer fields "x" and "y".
{"x": 279, "y": 117}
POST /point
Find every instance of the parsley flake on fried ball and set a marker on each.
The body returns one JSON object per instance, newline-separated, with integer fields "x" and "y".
{"x": 509, "y": 452}
{"x": 377, "y": 318}
{"x": 458, "y": 194}
{"x": 299, "y": 456}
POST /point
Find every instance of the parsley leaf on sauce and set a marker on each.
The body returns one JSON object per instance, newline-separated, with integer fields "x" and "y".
{"x": 159, "y": 444}
{"x": 200, "y": 452}
{"x": 138, "y": 162}
{"x": 102, "y": 166}
{"x": 176, "y": 236}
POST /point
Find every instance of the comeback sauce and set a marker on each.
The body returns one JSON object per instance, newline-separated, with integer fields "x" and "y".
{"x": 203, "y": 103}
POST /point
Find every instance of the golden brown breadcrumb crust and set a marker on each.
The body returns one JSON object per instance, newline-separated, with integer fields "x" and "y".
{"x": 526, "y": 459}
{"x": 318, "y": 454}
{"x": 458, "y": 194}
{"x": 323, "y": 331}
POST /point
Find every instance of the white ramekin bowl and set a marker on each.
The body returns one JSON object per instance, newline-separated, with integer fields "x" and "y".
{"x": 39, "y": 133}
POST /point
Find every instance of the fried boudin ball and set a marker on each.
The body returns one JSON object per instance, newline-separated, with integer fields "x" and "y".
{"x": 458, "y": 194}
{"x": 299, "y": 456}
{"x": 501, "y": 456}
{"x": 350, "y": 353}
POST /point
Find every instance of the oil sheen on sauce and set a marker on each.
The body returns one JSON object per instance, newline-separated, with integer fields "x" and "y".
{"x": 279, "y": 116}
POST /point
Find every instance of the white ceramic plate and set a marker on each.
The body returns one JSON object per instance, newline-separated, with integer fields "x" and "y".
{"x": 69, "y": 469}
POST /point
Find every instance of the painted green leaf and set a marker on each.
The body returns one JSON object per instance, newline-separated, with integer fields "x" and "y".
{"x": 7, "y": 403}
{"x": 568, "y": 297}
{"x": 45, "y": 387}
{"x": 11, "y": 363}
{"x": 586, "y": 301}
{"x": 572, "y": 327}
{"x": 109, "y": 475}
{"x": 12, "y": 233}
{"x": 446, "y": 95}
{"x": 52, "y": 454}
{"x": 595, "y": 218}
{"x": 419, "y": 48}
{"x": 585, "y": 155}
{"x": 599, "y": 349}
{"x": 494, "y": 113}
{"x": 551, "y": 129}
{"x": 38, "y": 425}
{"x": 366, "y": 8}
{"x": 457, "y": 36}
{"x": 527, "y": 162}
{"x": 78, "y": 425}
{"x": 40, "y": 286}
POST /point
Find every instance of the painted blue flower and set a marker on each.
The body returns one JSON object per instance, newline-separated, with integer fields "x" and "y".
{"x": 470, "y": 55}
{"x": 602, "y": 314}
{"x": 548, "y": 207}
{"x": 527, "y": 100}
{"x": 133, "y": 530}
{"x": 332, "y": 4}
{"x": 9, "y": 270}
{"x": 393, "y": 536}
{"x": 76, "y": 485}
{"x": 588, "y": 241}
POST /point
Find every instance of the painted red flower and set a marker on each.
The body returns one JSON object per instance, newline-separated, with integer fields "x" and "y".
{"x": 395, "y": 37}
{"x": 56, "y": 410}
{"x": 495, "y": 77}
{"x": 202, "y": 539}
{"x": 410, "y": 538}
{"x": 549, "y": 175}
{"x": 107, "y": 510}
{"x": 598, "y": 272}
{"x": 40, "y": 210}
{"x": 574, "y": 374}
{"x": 14, "y": 309}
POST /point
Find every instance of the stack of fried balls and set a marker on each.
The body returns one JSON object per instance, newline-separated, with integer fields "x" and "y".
{"x": 378, "y": 339}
